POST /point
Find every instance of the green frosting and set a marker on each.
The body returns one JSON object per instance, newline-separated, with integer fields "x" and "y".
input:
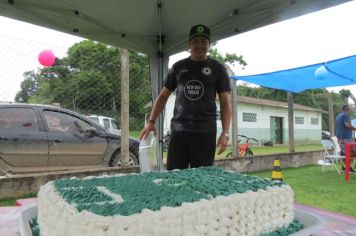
{"x": 155, "y": 190}
{"x": 35, "y": 228}
{"x": 293, "y": 227}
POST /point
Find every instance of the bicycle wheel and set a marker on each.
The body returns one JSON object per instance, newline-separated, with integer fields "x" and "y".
{"x": 228, "y": 155}
{"x": 249, "y": 152}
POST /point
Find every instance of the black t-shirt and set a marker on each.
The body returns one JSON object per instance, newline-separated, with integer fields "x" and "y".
{"x": 196, "y": 84}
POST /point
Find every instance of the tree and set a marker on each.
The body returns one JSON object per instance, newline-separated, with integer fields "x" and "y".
{"x": 87, "y": 80}
{"x": 227, "y": 58}
{"x": 29, "y": 87}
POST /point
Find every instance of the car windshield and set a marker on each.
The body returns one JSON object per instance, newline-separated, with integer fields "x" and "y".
{"x": 94, "y": 119}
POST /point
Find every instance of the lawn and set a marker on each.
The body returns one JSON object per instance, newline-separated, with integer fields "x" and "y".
{"x": 260, "y": 150}
{"x": 277, "y": 149}
{"x": 8, "y": 202}
{"x": 12, "y": 201}
{"x": 135, "y": 133}
{"x": 323, "y": 190}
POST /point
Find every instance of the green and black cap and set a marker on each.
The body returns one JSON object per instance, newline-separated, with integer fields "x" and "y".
{"x": 199, "y": 30}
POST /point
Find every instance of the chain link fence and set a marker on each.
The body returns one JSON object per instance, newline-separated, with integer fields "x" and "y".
{"x": 85, "y": 78}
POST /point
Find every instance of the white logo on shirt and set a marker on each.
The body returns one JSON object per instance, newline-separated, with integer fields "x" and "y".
{"x": 193, "y": 90}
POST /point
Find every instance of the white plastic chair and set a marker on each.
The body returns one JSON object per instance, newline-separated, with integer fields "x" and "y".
{"x": 332, "y": 152}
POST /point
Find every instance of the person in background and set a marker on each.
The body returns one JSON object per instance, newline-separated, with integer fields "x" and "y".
{"x": 197, "y": 81}
{"x": 344, "y": 129}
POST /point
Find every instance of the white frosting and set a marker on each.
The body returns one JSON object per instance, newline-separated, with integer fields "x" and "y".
{"x": 249, "y": 213}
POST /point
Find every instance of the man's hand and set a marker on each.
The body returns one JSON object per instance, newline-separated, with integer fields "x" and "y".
{"x": 222, "y": 143}
{"x": 148, "y": 128}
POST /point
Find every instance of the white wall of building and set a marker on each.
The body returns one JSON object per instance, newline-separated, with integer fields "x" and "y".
{"x": 261, "y": 128}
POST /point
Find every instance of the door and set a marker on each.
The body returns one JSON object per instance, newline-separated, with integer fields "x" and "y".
{"x": 23, "y": 142}
{"x": 68, "y": 145}
{"x": 276, "y": 129}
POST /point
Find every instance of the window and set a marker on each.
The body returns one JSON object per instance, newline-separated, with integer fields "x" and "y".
{"x": 314, "y": 121}
{"x": 94, "y": 119}
{"x": 299, "y": 120}
{"x": 114, "y": 124}
{"x": 64, "y": 123}
{"x": 18, "y": 118}
{"x": 249, "y": 117}
{"x": 106, "y": 123}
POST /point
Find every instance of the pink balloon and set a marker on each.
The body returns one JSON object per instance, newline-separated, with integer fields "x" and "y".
{"x": 46, "y": 58}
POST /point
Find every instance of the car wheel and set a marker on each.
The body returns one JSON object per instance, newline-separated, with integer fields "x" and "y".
{"x": 116, "y": 160}
{"x": 2, "y": 173}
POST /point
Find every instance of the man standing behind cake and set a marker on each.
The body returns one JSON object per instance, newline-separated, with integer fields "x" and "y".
{"x": 196, "y": 81}
{"x": 344, "y": 129}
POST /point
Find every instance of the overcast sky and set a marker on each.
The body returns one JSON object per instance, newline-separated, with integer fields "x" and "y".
{"x": 314, "y": 38}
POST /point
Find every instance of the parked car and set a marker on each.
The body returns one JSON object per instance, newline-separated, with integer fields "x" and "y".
{"x": 40, "y": 137}
{"x": 108, "y": 123}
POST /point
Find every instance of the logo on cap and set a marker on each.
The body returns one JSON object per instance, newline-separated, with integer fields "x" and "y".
{"x": 200, "y": 29}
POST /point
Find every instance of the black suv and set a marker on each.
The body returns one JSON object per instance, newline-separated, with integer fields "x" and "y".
{"x": 40, "y": 137}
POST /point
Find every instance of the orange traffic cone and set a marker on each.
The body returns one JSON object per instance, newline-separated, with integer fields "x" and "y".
{"x": 277, "y": 172}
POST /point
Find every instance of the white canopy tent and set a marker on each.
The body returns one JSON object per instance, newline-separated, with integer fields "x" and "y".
{"x": 156, "y": 27}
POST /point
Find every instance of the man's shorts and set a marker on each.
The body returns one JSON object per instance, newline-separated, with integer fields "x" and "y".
{"x": 342, "y": 143}
{"x": 191, "y": 149}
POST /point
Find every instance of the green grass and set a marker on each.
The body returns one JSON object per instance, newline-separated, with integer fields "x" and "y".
{"x": 135, "y": 133}
{"x": 323, "y": 190}
{"x": 277, "y": 149}
{"x": 8, "y": 202}
{"x": 284, "y": 149}
{"x": 259, "y": 150}
{"x": 12, "y": 201}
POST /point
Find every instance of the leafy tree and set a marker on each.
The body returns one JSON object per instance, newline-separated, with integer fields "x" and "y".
{"x": 87, "y": 80}
{"x": 227, "y": 58}
{"x": 29, "y": 87}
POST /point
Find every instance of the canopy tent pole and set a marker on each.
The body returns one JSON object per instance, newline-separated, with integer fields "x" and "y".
{"x": 158, "y": 71}
{"x": 160, "y": 85}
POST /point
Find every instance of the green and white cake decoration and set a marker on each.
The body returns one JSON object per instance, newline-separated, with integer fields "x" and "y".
{"x": 203, "y": 201}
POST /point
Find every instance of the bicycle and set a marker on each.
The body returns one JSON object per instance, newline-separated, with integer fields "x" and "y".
{"x": 166, "y": 139}
{"x": 245, "y": 149}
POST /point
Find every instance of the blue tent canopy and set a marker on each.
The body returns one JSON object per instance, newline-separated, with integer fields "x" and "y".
{"x": 339, "y": 72}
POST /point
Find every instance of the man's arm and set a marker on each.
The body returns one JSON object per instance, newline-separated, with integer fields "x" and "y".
{"x": 157, "y": 108}
{"x": 349, "y": 125}
{"x": 225, "y": 114}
